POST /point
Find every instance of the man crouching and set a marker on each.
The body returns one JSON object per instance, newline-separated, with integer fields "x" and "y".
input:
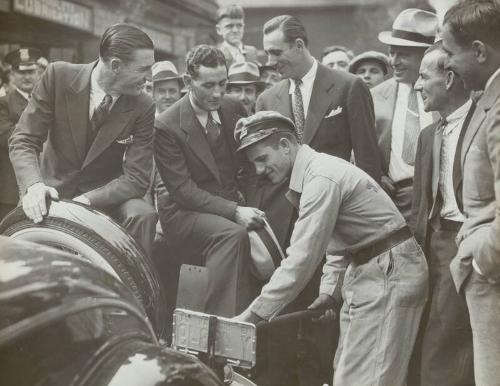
{"x": 344, "y": 214}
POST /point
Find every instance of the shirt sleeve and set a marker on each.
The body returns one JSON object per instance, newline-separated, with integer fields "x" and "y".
{"x": 318, "y": 210}
{"x": 332, "y": 278}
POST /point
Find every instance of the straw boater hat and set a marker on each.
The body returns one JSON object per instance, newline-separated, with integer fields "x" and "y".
{"x": 244, "y": 73}
{"x": 165, "y": 70}
{"x": 412, "y": 28}
{"x": 376, "y": 56}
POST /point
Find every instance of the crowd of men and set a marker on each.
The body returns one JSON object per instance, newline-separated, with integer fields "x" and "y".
{"x": 371, "y": 179}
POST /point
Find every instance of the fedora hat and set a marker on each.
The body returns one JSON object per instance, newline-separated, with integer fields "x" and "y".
{"x": 164, "y": 70}
{"x": 412, "y": 28}
{"x": 265, "y": 252}
{"x": 244, "y": 73}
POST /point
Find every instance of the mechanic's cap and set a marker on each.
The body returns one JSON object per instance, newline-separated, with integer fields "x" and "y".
{"x": 260, "y": 126}
{"x": 164, "y": 70}
{"x": 23, "y": 59}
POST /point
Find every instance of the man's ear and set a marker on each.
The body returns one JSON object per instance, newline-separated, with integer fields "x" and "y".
{"x": 115, "y": 64}
{"x": 284, "y": 145}
{"x": 218, "y": 29}
{"x": 188, "y": 81}
{"x": 299, "y": 43}
{"x": 450, "y": 79}
{"x": 480, "y": 51}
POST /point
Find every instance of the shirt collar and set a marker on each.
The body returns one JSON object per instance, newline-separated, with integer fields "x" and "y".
{"x": 459, "y": 113}
{"x": 491, "y": 78}
{"x": 304, "y": 156}
{"x": 24, "y": 94}
{"x": 201, "y": 114}
{"x": 308, "y": 77}
{"x": 97, "y": 89}
{"x": 239, "y": 47}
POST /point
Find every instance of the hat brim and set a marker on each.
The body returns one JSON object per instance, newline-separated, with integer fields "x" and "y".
{"x": 168, "y": 78}
{"x": 387, "y": 38}
{"x": 258, "y": 83}
{"x": 353, "y": 67}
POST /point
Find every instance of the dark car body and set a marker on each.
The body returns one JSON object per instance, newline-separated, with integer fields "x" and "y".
{"x": 64, "y": 321}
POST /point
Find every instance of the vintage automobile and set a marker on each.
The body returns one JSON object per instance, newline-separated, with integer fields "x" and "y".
{"x": 64, "y": 321}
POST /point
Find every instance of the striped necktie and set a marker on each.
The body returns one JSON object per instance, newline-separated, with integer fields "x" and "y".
{"x": 298, "y": 111}
{"x": 101, "y": 112}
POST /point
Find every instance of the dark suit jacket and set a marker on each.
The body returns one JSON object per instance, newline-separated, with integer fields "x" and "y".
{"x": 479, "y": 237}
{"x": 185, "y": 161}
{"x": 11, "y": 107}
{"x": 116, "y": 168}
{"x": 426, "y": 177}
{"x": 250, "y": 53}
{"x": 350, "y": 126}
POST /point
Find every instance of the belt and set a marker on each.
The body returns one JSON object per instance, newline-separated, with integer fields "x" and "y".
{"x": 364, "y": 255}
{"x": 450, "y": 225}
{"x": 406, "y": 183}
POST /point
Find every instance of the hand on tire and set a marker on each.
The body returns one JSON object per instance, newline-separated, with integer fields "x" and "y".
{"x": 35, "y": 201}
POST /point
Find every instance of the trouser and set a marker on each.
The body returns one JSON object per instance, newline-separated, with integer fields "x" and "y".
{"x": 139, "y": 219}
{"x": 443, "y": 356}
{"x": 383, "y": 303}
{"x": 224, "y": 248}
{"x": 483, "y": 301}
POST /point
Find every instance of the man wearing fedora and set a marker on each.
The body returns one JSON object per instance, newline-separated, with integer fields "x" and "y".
{"x": 344, "y": 214}
{"x": 470, "y": 37}
{"x": 371, "y": 66}
{"x": 167, "y": 85}
{"x": 25, "y": 76}
{"x": 95, "y": 126}
{"x": 205, "y": 214}
{"x": 243, "y": 82}
{"x": 399, "y": 112}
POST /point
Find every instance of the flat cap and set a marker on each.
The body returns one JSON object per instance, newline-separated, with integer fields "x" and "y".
{"x": 260, "y": 126}
{"x": 376, "y": 56}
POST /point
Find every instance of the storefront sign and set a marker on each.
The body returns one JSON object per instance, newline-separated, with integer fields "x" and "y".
{"x": 59, "y": 11}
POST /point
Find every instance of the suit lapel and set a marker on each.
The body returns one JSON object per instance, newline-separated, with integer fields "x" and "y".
{"x": 112, "y": 127}
{"x": 196, "y": 138}
{"x": 475, "y": 122}
{"x": 319, "y": 103}
{"x": 77, "y": 101}
{"x": 282, "y": 103}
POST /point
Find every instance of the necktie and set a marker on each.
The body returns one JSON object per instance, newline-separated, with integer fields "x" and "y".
{"x": 213, "y": 130}
{"x": 443, "y": 154}
{"x": 298, "y": 111}
{"x": 101, "y": 112}
{"x": 412, "y": 129}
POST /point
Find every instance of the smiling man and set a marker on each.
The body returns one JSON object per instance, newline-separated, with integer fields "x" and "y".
{"x": 445, "y": 351}
{"x": 195, "y": 153}
{"x": 343, "y": 214}
{"x": 470, "y": 36}
{"x": 167, "y": 85}
{"x": 399, "y": 112}
{"x": 95, "y": 126}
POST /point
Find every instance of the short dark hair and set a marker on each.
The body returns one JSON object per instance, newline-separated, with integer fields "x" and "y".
{"x": 474, "y": 20}
{"x": 274, "y": 139}
{"x": 334, "y": 48}
{"x": 291, "y": 27}
{"x": 203, "y": 55}
{"x": 121, "y": 40}
{"x": 231, "y": 11}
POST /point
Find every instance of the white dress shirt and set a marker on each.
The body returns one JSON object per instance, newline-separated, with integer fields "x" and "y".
{"x": 398, "y": 169}
{"x": 97, "y": 94}
{"x": 305, "y": 88}
{"x": 451, "y": 132}
{"x": 202, "y": 115}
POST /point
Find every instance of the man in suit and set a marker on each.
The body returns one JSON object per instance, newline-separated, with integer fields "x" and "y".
{"x": 443, "y": 355}
{"x": 25, "y": 75}
{"x": 332, "y": 111}
{"x": 470, "y": 36}
{"x": 95, "y": 126}
{"x": 399, "y": 113}
{"x": 205, "y": 213}
{"x": 231, "y": 27}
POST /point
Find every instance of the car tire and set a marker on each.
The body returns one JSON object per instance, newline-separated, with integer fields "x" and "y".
{"x": 93, "y": 236}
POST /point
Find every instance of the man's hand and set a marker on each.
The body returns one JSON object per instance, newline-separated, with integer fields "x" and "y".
{"x": 388, "y": 185}
{"x": 34, "y": 201}
{"x": 82, "y": 199}
{"x": 248, "y": 317}
{"x": 250, "y": 218}
{"x": 324, "y": 302}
